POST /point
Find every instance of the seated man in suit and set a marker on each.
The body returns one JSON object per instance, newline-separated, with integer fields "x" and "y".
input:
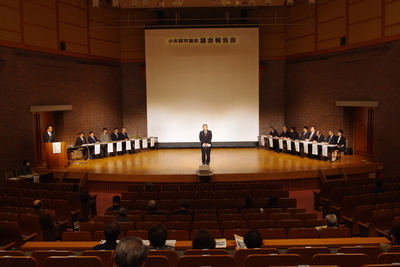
{"x": 305, "y": 135}
{"x": 93, "y": 140}
{"x": 115, "y": 137}
{"x": 49, "y": 136}
{"x": 45, "y": 219}
{"x": 285, "y": 133}
{"x": 123, "y": 135}
{"x": 184, "y": 210}
{"x": 105, "y": 138}
{"x": 331, "y": 139}
{"x": 272, "y": 132}
{"x": 312, "y": 135}
{"x": 81, "y": 140}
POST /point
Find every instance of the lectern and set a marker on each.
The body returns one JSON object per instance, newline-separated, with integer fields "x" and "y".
{"x": 56, "y": 155}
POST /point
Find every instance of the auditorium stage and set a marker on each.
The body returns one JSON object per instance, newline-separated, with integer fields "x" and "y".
{"x": 228, "y": 165}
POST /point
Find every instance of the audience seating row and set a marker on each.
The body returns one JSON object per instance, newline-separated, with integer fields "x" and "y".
{"x": 296, "y": 256}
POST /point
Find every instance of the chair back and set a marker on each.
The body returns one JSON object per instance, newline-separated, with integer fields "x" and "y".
{"x": 76, "y": 261}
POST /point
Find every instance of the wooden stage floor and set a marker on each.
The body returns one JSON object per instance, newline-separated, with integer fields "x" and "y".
{"x": 228, "y": 164}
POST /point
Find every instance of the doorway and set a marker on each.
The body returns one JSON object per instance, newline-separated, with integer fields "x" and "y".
{"x": 363, "y": 130}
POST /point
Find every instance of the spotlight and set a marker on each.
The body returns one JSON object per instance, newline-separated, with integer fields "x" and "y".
{"x": 115, "y": 3}
{"x": 289, "y": 2}
{"x": 311, "y": 2}
{"x": 134, "y": 3}
{"x": 146, "y": 3}
{"x": 268, "y": 2}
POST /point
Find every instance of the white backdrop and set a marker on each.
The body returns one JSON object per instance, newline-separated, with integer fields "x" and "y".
{"x": 191, "y": 84}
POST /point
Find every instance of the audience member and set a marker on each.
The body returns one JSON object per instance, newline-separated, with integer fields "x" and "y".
{"x": 152, "y": 206}
{"x": 285, "y": 133}
{"x": 203, "y": 239}
{"x": 331, "y": 221}
{"x": 116, "y": 200}
{"x": 158, "y": 235}
{"x": 45, "y": 219}
{"x": 148, "y": 187}
{"x": 378, "y": 186}
{"x": 248, "y": 202}
{"x": 25, "y": 168}
{"x": 130, "y": 252}
{"x": 184, "y": 210}
{"x": 273, "y": 202}
{"x": 122, "y": 215}
{"x": 394, "y": 237}
{"x": 111, "y": 233}
{"x": 253, "y": 239}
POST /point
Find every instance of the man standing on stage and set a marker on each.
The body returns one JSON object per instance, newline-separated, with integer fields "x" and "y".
{"x": 205, "y": 139}
{"x": 49, "y": 136}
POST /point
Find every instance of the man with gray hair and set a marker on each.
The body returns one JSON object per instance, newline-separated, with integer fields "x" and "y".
{"x": 152, "y": 206}
{"x": 331, "y": 221}
{"x": 130, "y": 252}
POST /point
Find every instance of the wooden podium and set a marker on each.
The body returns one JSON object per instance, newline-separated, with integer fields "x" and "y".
{"x": 56, "y": 158}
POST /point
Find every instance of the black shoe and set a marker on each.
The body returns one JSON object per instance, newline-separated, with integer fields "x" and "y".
{"x": 208, "y": 163}
{"x": 204, "y": 163}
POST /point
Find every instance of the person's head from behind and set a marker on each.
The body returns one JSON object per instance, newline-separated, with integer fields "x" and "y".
{"x": 130, "y": 252}
{"x": 148, "y": 187}
{"x": 331, "y": 220}
{"x": 378, "y": 183}
{"x": 37, "y": 204}
{"x": 253, "y": 239}
{"x": 123, "y": 212}
{"x": 395, "y": 235}
{"x": 25, "y": 162}
{"x": 273, "y": 201}
{"x": 185, "y": 204}
{"x": 116, "y": 200}
{"x": 157, "y": 235}
{"x": 152, "y": 205}
{"x": 248, "y": 201}
{"x": 112, "y": 231}
{"x": 203, "y": 239}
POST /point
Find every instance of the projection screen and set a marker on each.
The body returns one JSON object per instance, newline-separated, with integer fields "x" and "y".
{"x": 202, "y": 76}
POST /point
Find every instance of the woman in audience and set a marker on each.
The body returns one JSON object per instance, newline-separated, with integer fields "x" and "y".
{"x": 203, "y": 239}
{"x": 340, "y": 143}
{"x": 158, "y": 235}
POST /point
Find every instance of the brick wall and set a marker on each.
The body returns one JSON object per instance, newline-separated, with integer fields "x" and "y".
{"x": 312, "y": 85}
{"x": 31, "y": 79}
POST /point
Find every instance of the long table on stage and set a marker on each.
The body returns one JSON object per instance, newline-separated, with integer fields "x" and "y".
{"x": 281, "y": 244}
{"x": 319, "y": 150}
{"x": 137, "y": 144}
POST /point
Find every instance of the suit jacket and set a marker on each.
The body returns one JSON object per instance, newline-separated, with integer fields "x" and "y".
{"x": 294, "y": 136}
{"x": 114, "y": 137}
{"x": 305, "y": 135}
{"x": 45, "y": 219}
{"x": 79, "y": 139}
{"x": 123, "y": 136}
{"x": 320, "y": 139}
{"x": 105, "y": 138}
{"x": 273, "y": 133}
{"x": 341, "y": 141}
{"x": 92, "y": 139}
{"x": 205, "y": 138}
{"x": 285, "y": 134}
{"x": 331, "y": 139}
{"x": 314, "y": 136}
{"x": 47, "y": 138}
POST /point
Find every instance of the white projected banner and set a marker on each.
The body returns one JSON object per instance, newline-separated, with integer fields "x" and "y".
{"x": 197, "y": 76}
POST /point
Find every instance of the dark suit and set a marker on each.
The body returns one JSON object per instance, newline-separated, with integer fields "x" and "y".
{"x": 273, "y": 133}
{"x": 285, "y": 134}
{"x": 312, "y": 136}
{"x": 93, "y": 140}
{"x": 341, "y": 142}
{"x": 294, "y": 136}
{"x": 47, "y": 138}
{"x": 305, "y": 135}
{"x": 331, "y": 139}
{"x": 84, "y": 141}
{"x": 45, "y": 219}
{"x": 115, "y": 137}
{"x": 320, "y": 139}
{"x": 123, "y": 136}
{"x": 205, "y": 151}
